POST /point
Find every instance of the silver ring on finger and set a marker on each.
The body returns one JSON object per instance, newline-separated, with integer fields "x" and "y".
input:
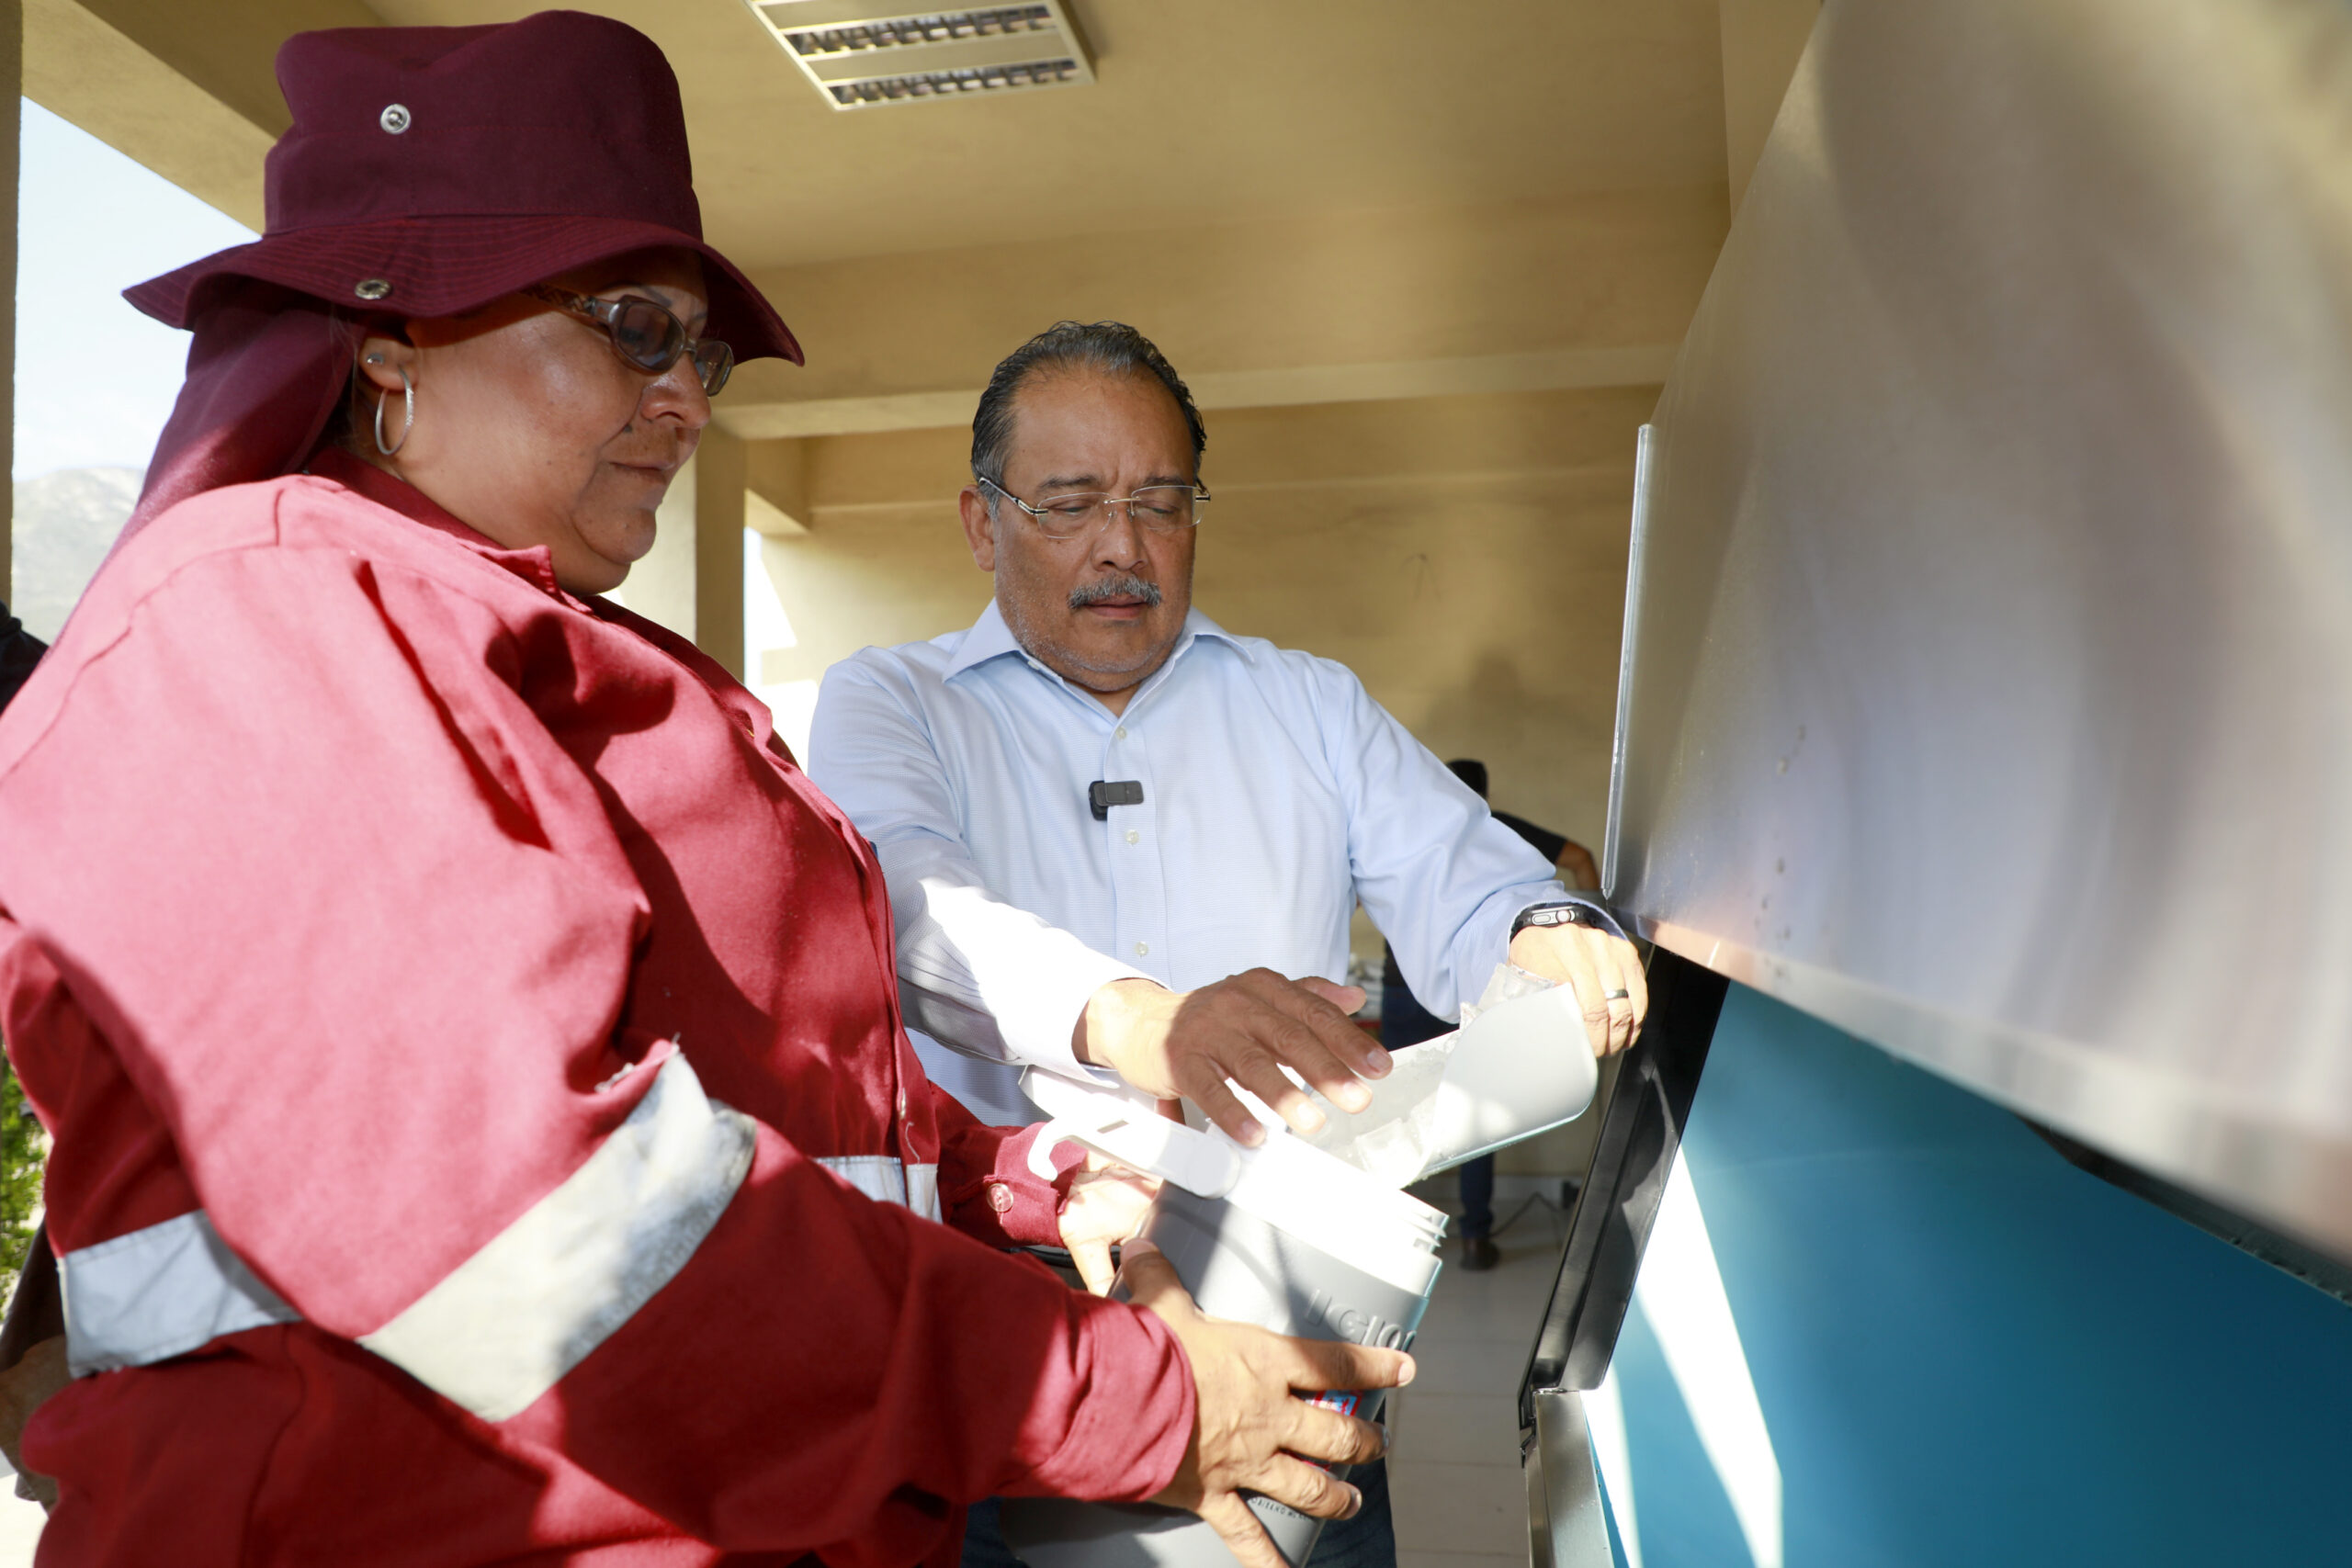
{"x": 1618, "y": 995}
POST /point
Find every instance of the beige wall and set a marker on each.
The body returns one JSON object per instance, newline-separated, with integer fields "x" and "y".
{"x": 1502, "y": 295}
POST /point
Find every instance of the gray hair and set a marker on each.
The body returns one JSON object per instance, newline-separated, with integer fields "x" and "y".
{"x": 1114, "y": 348}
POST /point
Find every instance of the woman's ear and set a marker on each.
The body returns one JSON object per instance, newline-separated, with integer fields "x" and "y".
{"x": 384, "y": 353}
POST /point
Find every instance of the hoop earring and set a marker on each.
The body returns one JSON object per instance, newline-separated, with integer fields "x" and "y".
{"x": 408, "y": 414}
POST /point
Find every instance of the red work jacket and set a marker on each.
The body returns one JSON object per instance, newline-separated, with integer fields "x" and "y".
{"x": 474, "y": 1061}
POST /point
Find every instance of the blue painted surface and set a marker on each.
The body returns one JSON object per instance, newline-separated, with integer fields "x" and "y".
{"x": 1968, "y": 1352}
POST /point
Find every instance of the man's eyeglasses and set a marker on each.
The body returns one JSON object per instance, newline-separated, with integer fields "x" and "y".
{"x": 645, "y": 334}
{"x": 1163, "y": 509}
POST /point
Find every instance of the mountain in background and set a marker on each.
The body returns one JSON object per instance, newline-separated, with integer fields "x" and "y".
{"x": 65, "y": 524}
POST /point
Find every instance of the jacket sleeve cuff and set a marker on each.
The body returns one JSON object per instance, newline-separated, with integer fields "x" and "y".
{"x": 986, "y": 1189}
{"x": 1124, "y": 1442}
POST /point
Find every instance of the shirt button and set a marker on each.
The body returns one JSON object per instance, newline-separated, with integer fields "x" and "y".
{"x": 1000, "y": 1197}
{"x": 1120, "y": 733}
{"x": 394, "y": 119}
{"x": 1142, "y": 949}
{"x": 1132, "y": 836}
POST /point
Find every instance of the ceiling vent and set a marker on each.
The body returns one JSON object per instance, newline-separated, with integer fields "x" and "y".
{"x": 862, "y": 57}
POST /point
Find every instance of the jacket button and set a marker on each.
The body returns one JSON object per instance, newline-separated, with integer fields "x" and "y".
{"x": 1000, "y": 1197}
{"x": 394, "y": 119}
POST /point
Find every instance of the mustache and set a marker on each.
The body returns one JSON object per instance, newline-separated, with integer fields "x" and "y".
{"x": 1127, "y": 587}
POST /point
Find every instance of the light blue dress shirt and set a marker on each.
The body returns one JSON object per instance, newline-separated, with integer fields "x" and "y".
{"x": 1277, "y": 793}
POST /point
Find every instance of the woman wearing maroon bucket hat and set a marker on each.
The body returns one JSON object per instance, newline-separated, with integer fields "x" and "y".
{"x": 484, "y": 1127}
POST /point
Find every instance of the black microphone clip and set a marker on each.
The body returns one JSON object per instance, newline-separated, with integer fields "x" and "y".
{"x": 1101, "y": 797}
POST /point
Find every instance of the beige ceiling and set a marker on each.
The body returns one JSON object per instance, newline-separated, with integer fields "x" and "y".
{"x": 1308, "y": 200}
{"x": 1207, "y": 111}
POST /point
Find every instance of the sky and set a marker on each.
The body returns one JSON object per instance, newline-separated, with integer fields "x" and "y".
{"x": 95, "y": 378}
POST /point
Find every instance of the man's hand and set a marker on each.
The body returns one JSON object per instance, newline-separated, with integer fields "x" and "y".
{"x": 1248, "y": 1425}
{"x": 1189, "y": 1043}
{"x": 1605, "y": 971}
{"x": 1107, "y": 1204}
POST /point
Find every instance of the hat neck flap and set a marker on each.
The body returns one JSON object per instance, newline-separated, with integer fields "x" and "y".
{"x": 266, "y": 372}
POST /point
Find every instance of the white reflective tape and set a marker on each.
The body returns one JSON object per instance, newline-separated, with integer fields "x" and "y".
{"x": 886, "y": 1180}
{"x": 879, "y": 1176}
{"x": 508, "y": 1323}
{"x": 157, "y": 1293}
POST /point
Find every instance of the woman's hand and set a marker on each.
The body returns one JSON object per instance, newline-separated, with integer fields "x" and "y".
{"x": 1250, "y": 1430}
{"x": 1107, "y": 1204}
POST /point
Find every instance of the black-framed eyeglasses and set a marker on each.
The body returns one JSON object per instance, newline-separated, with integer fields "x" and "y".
{"x": 646, "y": 334}
{"x": 1163, "y": 509}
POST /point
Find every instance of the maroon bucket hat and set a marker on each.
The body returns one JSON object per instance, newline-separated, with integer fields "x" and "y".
{"x": 429, "y": 171}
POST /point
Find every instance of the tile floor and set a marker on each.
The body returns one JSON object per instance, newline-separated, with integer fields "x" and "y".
{"x": 20, "y": 1523}
{"x": 1454, "y": 1475}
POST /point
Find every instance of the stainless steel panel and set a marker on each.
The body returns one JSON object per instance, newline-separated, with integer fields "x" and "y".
{"x": 1989, "y": 684}
{"x": 1567, "y": 1527}
{"x": 1634, "y": 1153}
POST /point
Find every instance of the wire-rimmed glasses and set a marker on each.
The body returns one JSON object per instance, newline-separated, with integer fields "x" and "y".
{"x": 1163, "y": 509}
{"x": 646, "y": 334}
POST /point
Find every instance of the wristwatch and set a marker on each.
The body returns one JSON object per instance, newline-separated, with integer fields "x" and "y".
{"x": 1551, "y": 915}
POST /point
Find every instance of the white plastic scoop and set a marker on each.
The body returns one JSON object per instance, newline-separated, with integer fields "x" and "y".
{"x": 1518, "y": 1068}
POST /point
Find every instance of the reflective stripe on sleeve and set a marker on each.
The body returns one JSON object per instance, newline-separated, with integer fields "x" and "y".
{"x": 886, "y": 1180}
{"x": 159, "y": 1292}
{"x": 508, "y": 1323}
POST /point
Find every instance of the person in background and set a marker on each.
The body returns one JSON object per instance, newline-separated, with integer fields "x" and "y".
{"x": 20, "y": 651}
{"x": 1405, "y": 1022}
{"x": 1120, "y": 837}
{"x": 484, "y": 1126}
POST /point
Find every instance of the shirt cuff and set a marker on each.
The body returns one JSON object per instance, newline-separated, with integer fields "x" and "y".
{"x": 1038, "y": 1025}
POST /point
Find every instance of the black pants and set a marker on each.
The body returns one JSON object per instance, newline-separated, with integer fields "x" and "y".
{"x": 1477, "y": 1196}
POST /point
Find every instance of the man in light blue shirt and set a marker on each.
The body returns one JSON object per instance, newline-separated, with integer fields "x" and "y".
{"x": 1118, "y": 836}
{"x": 1041, "y": 920}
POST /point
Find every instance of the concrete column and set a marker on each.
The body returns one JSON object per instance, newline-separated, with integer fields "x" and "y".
{"x": 12, "y": 77}
{"x": 775, "y": 479}
{"x": 662, "y": 586}
{"x": 720, "y": 474}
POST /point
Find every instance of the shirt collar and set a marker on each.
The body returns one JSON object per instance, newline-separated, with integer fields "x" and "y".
{"x": 989, "y": 638}
{"x": 534, "y": 566}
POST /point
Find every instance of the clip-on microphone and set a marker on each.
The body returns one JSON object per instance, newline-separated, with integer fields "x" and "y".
{"x": 1101, "y": 797}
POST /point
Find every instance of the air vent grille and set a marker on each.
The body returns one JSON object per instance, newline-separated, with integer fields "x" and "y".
{"x": 860, "y": 57}
{"x": 945, "y": 83}
{"x": 908, "y": 31}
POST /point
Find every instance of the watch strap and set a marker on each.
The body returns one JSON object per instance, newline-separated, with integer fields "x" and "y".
{"x": 1574, "y": 910}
